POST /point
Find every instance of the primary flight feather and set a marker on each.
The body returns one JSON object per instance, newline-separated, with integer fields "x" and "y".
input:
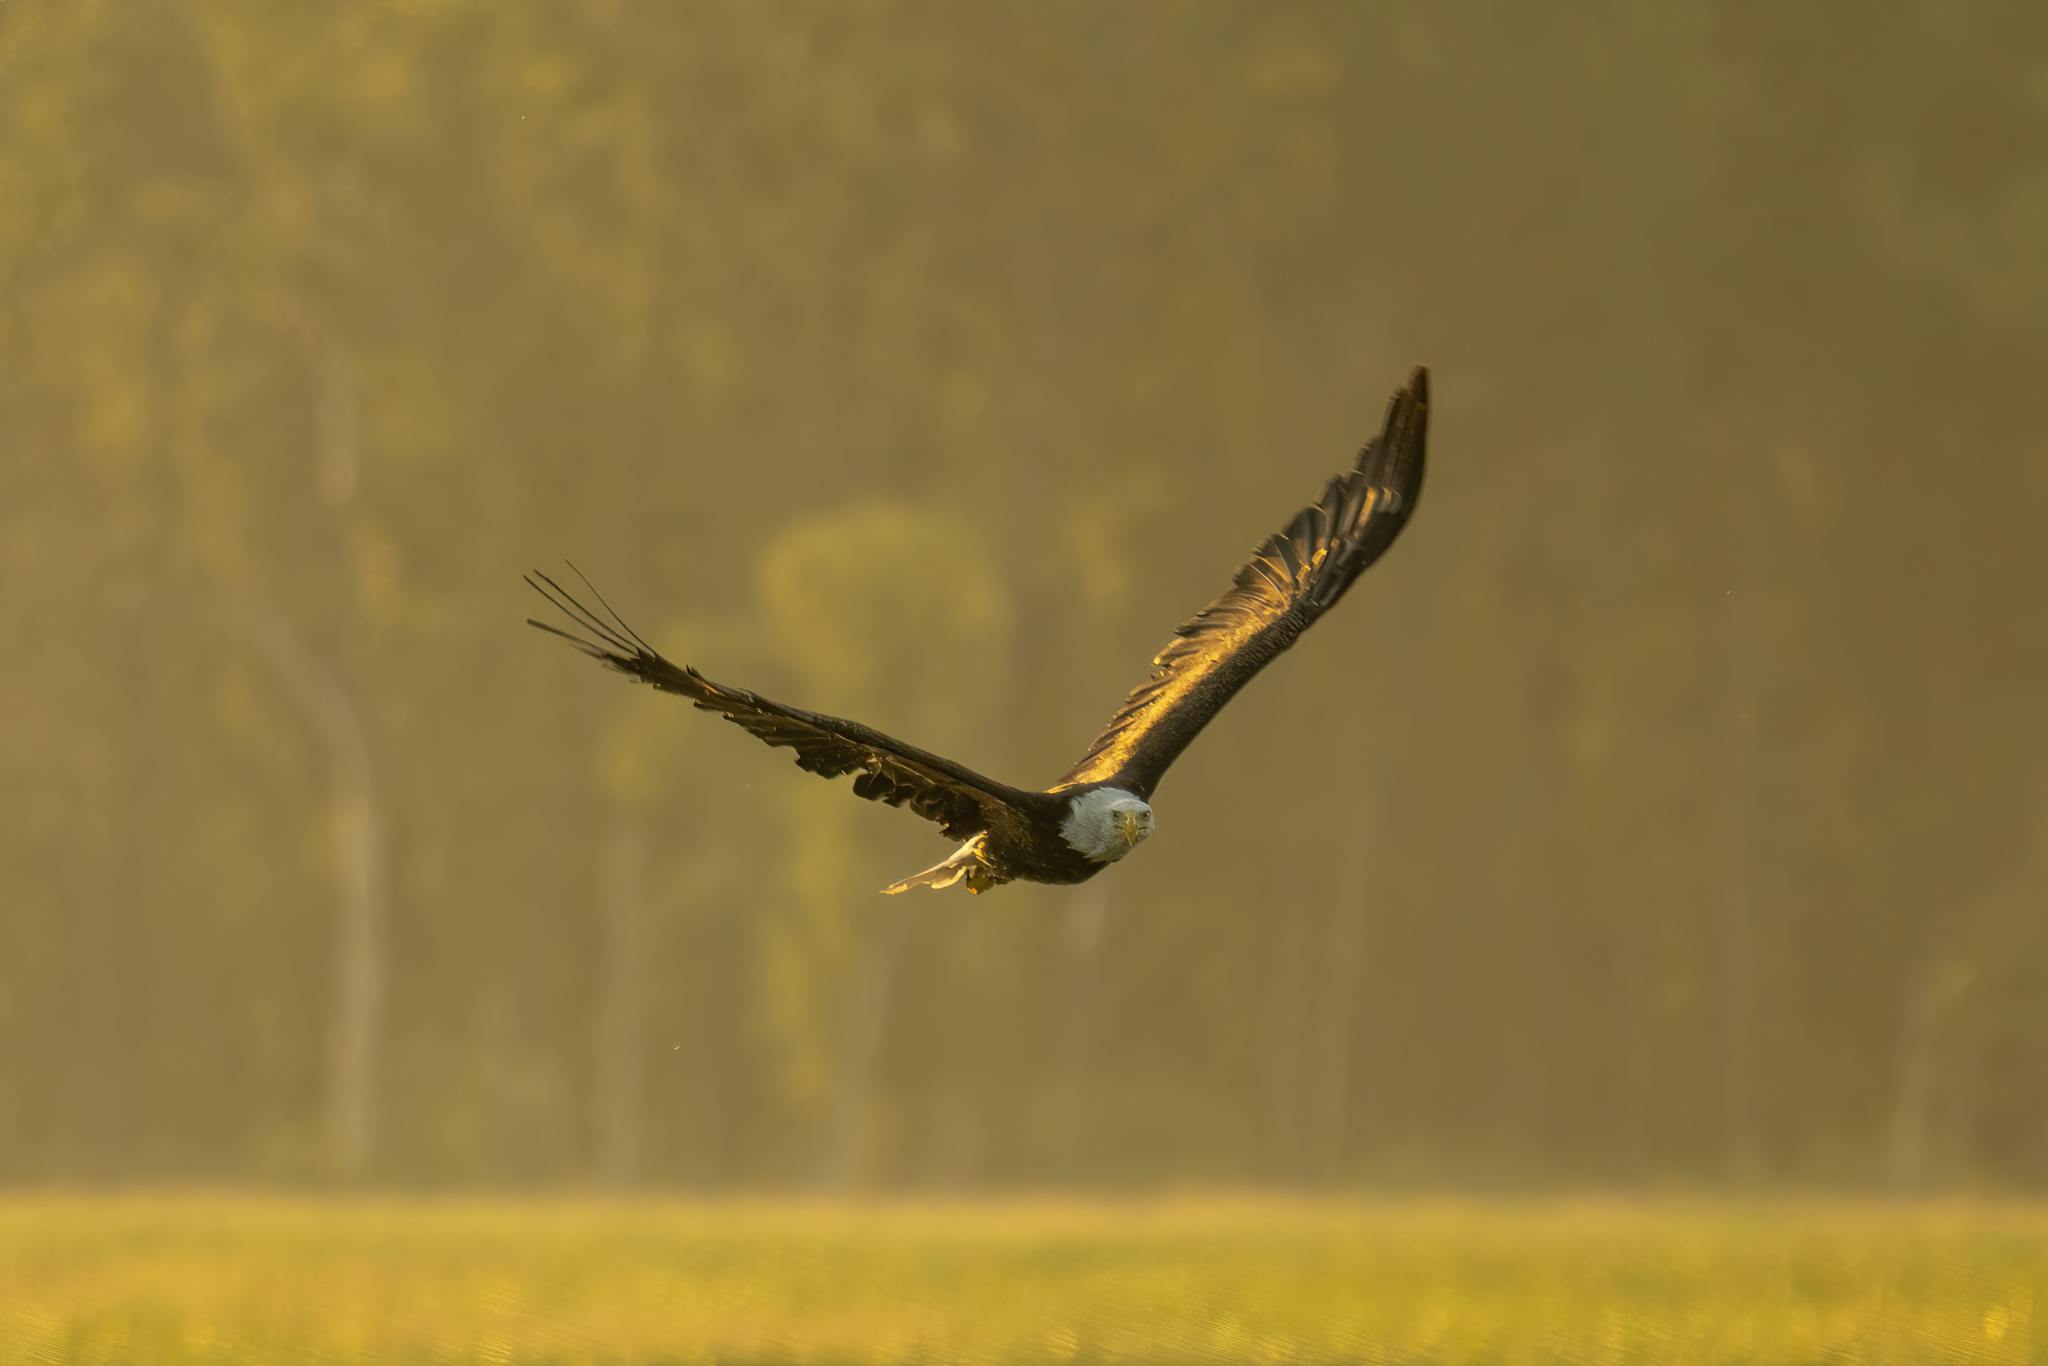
{"x": 1101, "y": 809}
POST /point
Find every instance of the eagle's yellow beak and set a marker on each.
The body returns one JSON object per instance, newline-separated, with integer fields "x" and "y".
{"x": 1127, "y": 821}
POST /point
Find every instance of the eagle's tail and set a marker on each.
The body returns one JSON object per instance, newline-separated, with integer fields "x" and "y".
{"x": 964, "y": 862}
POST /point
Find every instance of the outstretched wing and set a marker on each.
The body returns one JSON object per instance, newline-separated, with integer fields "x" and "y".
{"x": 961, "y": 801}
{"x": 1292, "y": 579}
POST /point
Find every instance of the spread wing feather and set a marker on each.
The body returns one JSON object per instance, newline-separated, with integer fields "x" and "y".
{"x": 1293, "y": 578}
{"x": 961, "y": 801}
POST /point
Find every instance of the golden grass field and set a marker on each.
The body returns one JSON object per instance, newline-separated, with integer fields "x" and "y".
{"x": 194, "y": 1278}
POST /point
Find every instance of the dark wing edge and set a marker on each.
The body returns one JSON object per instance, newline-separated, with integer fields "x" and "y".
{"x": 1294, "y": 577}
{"x": 957, "y": 798}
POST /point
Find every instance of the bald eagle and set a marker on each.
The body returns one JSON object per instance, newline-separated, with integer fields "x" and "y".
{"x": 1101, "y": 809}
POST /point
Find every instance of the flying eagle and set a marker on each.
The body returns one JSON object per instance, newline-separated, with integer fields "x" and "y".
{"x": 1101, "y": 809}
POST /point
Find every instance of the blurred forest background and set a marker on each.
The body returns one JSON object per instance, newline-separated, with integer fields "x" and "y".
{"x": 926, "y": 363}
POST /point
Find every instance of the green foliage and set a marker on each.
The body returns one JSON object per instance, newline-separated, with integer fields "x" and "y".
{"x": 847, "y": 597}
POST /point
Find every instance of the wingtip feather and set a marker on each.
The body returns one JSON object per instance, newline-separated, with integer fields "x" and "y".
{"x": 1399, "y": 446}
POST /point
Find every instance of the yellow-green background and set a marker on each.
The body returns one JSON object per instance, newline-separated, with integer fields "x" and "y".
{"x": 1662, "y": 817}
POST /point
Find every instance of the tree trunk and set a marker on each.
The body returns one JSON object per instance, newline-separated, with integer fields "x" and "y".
{"x": 619, "y": 1061}
{"x": 1078, "y": 1072}
{"x": 1918, "y": 1147}
{"x": 357, "y": 1007}
{"x": 353, "y": 1038}
{"x": 1910, "y": 1106}
{"x": 1287, "y": 1037}
{"x": 1738, "y": 897}
{"x": 335, "y": 419}
{"x": 1343, "y": 969}
{"x": 849, "y": 1142}
{"x": 1934, "y": 1109}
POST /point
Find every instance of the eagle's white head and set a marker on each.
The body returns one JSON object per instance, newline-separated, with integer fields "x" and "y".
{"x": 1106, "y": 824}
